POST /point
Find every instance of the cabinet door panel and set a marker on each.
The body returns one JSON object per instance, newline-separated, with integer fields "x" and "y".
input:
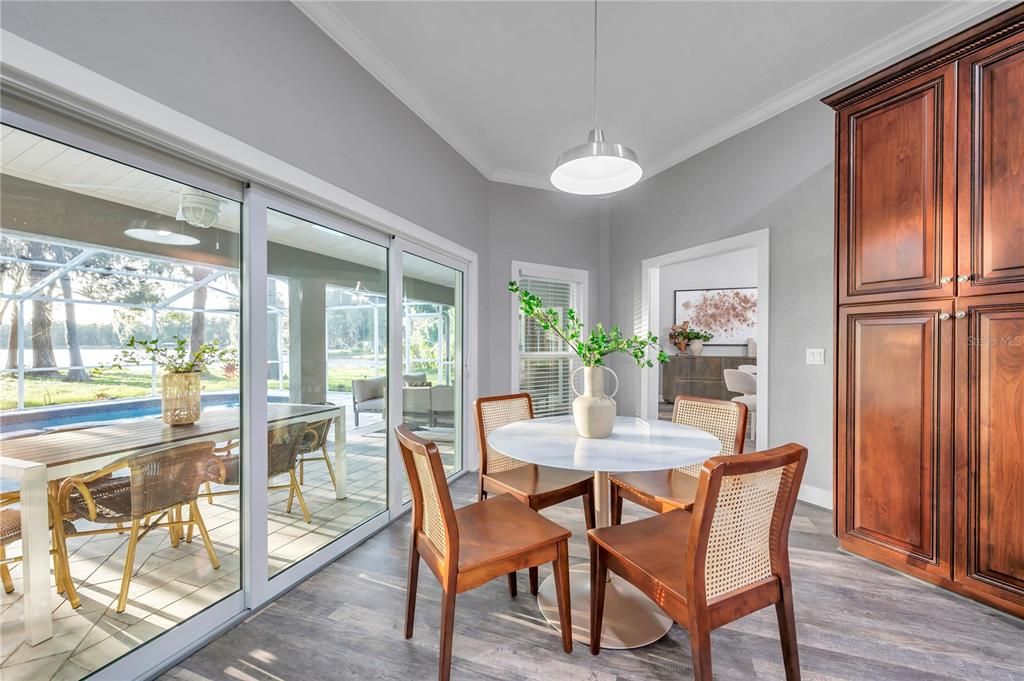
{"x": 990, "y": 445}
{"x": 991, "y": 183}
{"x": 895, "y": 432}
{"x": 897, "y": 192}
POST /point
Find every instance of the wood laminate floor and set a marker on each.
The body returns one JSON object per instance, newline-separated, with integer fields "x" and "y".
{"x": 856, "y": 621}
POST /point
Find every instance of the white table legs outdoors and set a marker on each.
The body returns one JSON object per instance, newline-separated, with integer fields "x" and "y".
{"x": 631, "y": 620}
{"x": 35, "y": 547}
{"x": 340, "y": 464}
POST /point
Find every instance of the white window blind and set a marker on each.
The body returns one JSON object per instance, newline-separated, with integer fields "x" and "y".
{"x": 545, "y": 361}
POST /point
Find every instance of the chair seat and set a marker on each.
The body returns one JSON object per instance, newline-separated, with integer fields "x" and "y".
{"x": 655, "y": 546}
{"x": 659, "y": 490}
{"x": 501, "y": 527}
{"x": 538, "y": 481}
{"x": 750, "y": 401}
{"x": 113, "y": 499}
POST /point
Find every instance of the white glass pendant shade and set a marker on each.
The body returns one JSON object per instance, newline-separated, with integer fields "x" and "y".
{"x": 596, "y": 168}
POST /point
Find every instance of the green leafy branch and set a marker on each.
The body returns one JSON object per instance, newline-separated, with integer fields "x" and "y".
{"x": 173, "y": 358}
{"x": 591, "y": 347}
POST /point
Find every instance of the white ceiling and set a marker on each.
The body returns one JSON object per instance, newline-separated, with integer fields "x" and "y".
{"x": 508, "y": 84}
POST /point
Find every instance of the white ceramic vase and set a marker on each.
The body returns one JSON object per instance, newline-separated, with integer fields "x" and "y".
{"x": 696, "y": 347}
{"x": 593, "y": 411}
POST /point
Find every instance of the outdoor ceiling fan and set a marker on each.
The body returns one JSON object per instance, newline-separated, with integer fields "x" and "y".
{"x": 194, "y": 207}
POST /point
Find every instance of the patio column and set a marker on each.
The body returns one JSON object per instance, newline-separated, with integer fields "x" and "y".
{"x": 307, "y": 340}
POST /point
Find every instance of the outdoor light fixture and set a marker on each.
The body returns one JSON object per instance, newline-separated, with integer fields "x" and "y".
{"x": 138, "y": 230}
{"x": 597, "y": 167}
{"x": 198, "y": 210}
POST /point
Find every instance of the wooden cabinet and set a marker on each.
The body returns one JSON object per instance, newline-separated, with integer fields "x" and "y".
{"x": 991, "y": 169}
{"x": 698, "y": 376}
{"x": 929, "y": 469}
{"x": 896, "y": 425}
{"x": 897, "y": 205}
{"x": 990, "y": 445}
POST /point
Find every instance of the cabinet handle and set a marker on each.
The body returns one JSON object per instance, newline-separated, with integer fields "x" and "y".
{"x": 945, "y": 280}
{"x": 964, "y": 278}
{"x": 944, "y": 316}
{"x": 960, "y": 315}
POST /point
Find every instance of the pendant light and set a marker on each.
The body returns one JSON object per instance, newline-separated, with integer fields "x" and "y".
{"x": 596, "y": 167}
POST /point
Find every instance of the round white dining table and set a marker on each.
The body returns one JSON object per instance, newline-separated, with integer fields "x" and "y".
{"x": 631, "y": 619}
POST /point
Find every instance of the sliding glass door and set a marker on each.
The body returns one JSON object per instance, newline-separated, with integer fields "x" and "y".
{"x": 432, "y": 350}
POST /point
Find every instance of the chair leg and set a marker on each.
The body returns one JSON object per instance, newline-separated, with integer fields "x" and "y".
{"x": 291, "y": 498}
{"x": 209, "y": 493}
{"x": 700, "y": 647}
{"x": 588, "y": 511}
{"x": 63, "y": 566}
{"x": 447, "y": 631}
{"x": 513, "y": 584}
{"x": 410, "y": 588}
{"x": 189, "y": 525}
{"x": 561, "y": 566}
{"x": 598, "y": 584}
{"x": 298, "y": 495}
{"x": 534, "y": 580}
{"x": 330, "y": 467}
{"x": 173, "y": 529}
{"x": 787, "y": 634}
{"x": 5, "y": 573}
{"x": 129, "y": 561}
{"x": 197, "y": 518}
{"x": 616, "y": 505}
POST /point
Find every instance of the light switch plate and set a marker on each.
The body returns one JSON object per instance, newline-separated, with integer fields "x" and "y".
{"x": 815, "y": 355}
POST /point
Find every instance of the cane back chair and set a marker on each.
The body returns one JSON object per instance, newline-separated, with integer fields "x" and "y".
{"x": 663, "y": 491}
{"x": 158, "y": 485}
{"x": 469, "y": 547}
{"x": 314, "y": 447}
{"x": 726, "y": 559}
{"x": 10, "y": 532}
{"x": 536, "y": 486}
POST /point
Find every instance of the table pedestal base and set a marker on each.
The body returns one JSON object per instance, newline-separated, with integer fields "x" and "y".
{"x": 631, "y": 620}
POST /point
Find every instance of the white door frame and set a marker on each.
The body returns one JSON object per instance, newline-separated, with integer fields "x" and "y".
{"x": 651, "y": 315}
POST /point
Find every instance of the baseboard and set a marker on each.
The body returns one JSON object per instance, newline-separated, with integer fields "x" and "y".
{"x": 816, "y": 496}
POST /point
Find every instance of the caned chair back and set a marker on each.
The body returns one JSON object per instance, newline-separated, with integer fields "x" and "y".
{"x": 169, "y": 477}
{"x": 724, "y": 419}
{"x": 433, "y": 514}
{"x": 283, "y": 444}
{"x": 494, "y": 412}
{"x": 740, "y": 529}
{"x": 315, "y": 436}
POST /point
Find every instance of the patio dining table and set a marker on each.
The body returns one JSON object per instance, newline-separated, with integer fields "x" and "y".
{"x": 37, "y": 460}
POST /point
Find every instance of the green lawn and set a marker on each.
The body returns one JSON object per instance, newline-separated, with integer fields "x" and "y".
{"x": 42, "y": 392}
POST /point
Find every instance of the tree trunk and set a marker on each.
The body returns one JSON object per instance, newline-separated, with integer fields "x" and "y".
{"x": 42, "y": 323}
{"x": 79, "y": 375}
{"x": 198, "y": 336}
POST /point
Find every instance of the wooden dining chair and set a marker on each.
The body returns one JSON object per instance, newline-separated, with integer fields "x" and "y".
{"x": 663, "y": 491}
{"x": 158, "y": 485}
{"x": 726, "y": 559}
{"x": 10, "y": 532}
{"x": 468, "y": 547}
{"x": 536, "y": 486}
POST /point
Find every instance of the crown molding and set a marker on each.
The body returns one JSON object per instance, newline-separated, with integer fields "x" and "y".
{"x": 901, "y": 43}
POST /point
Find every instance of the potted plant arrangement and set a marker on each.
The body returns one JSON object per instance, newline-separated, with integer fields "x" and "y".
{"x": 181, "y": 402}
{"x": 593, "y": 411}
{"x": 686, "y": 338}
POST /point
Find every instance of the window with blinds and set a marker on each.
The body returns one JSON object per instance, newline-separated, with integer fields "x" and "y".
{"x": 545, "y": 361}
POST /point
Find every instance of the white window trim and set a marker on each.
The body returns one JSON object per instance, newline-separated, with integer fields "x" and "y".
{"x": 557, "y": 273}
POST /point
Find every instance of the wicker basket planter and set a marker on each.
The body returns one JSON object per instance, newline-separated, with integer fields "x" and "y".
{"x": 181, "y": 402}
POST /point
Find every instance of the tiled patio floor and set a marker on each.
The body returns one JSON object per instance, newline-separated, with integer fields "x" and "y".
{"x": 172, "y": 584}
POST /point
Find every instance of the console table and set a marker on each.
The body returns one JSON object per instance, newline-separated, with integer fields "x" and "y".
{"x": 699, "y": 376}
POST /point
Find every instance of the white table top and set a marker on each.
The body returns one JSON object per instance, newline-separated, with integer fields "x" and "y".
{"x": 634, "y": 445}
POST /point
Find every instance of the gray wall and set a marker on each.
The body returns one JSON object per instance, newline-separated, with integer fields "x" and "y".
{"x": 777, "y": 175}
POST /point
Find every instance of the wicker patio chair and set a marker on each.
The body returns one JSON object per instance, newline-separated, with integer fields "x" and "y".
{"x": 158, "y": 485}
{"x": 663, "y": 491}
{"x": 10, "y": 532}
{"x": 314, "y": 447}
{"x": 283, "y": 444}
{"x": 727, "y": 559}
